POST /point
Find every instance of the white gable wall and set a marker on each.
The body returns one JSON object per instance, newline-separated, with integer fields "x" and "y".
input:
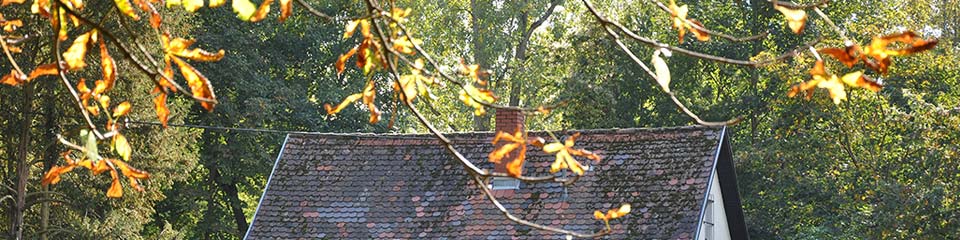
{"x": 716, "y": 215}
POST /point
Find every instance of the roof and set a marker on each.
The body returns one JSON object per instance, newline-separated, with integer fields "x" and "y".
{"x": 406, "y": 186}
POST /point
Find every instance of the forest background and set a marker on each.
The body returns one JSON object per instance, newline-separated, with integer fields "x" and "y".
{"x": 879, "y": 165}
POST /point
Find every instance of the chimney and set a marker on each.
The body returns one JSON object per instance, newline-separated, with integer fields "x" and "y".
{"x": 509, "y": 121}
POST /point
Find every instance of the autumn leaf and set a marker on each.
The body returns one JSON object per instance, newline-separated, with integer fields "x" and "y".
{"x": 53, "y": 176}
{"x": 369, "y": 93}
{"x": 160, "y": 105}
{"x": 129, "y": 171}
{"x": 878, "y": 49}
{"x": 75, "y": 54}
{"x": 564, "y": 155}
{"x": 121, "y": 109}
{"x": 612, "y": 214}
{"x": 127, "y": 9}
{"x": 286, "y": 9}
{"x": 178, "y": 47}
{"x": 43, "y": 70}
{"x": 8, "y": 2}
{"x": 796, "y": 18}
{"x": 14, "y": 78}
{"x": 701, "y": 35}
{"x": 116, "y": 190}
{"x": 832, "y": 83}
{"x": 680, "y": 22}
{"x": 122, "y": 147}
{"x": 467, "y": 94}
{"x": 406, "y": 45}
{"x": 199, "y": 85}
{"x": 848, "y": 56}
{"x": 341, "y": 61}
{"x": 262, "y": 11}
{"x": 244, "y": 9}
{"x": 216, "y": 3}
{"x": 351, "y": 27}
{"x": 514, "y": 143}
{"x": 192, "y": 5}
{"x": 662, "y": 71}
{"x": 108, "y": 65}
{"x": 343, "y": 104}
{"x": 155, "y": 18}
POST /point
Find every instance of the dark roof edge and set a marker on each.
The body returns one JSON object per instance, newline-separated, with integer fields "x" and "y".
{"x": 430, "y": 136}
{"x": 267, "y": 187}
{"x": 706, "y": 194}
{"x": 727, "y": 174}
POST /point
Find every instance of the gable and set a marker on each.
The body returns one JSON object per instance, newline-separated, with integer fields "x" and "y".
{"x": 407, "y": 186}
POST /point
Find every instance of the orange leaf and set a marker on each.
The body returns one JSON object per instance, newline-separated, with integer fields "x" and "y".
{"x": 261, "y": 12}
{"x": 14, "y": 78}
{"x": 342, "y": 105}
{"x": 599, "y": 215}
{"x": 155, "y": 18}
{"x": 75, "y": 54}
{"x": 848, "y": 56}
{"x": 116, "y": 190}
{"x": 121, "y": 109}
{"x": 160, "y": 105}
{"x": 8, "y": 2}
{"x": 369, "y": 92}
{"x": 100, "y": 167}
{"x": 703, "y": 36}
{"x": 43, "y": 70}
{"x": 343, "y": 59}
{"x": 108, "y": 65}
{"x": 515, "y": 142}
{"x": 858, "y": 79}
{"x": 129, "y": 171}
{"x": 374, "y": 113}
{"x": 286, "y": 9}
{"x": 199, "y": 85}
{"x": 53, "y": 176}
{"x": 796, "y": 18}
{"x": 178, "y": 47}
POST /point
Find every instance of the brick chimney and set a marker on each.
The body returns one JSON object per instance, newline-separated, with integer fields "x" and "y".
{"x": 509, "y": 121}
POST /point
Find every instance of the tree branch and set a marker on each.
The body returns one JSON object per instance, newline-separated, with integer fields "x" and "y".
{"x": 708, "y": 31}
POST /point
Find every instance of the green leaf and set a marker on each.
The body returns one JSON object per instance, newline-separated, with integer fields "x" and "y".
{"x": 90, "y": 146}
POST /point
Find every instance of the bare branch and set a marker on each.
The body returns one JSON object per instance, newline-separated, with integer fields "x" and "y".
{"x": 6, "y": 50}
{"x": 792, "y": 5}
{"x": 313, "y": 11}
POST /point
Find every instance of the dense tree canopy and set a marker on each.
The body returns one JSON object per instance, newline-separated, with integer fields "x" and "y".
{"x": 871, "y": 157}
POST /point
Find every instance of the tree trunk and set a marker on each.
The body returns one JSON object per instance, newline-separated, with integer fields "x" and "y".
{"x": 480, "y": 123}
{"x": 23, "y": 167}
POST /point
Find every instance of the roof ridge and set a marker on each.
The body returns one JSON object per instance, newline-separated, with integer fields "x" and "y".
{"x": 428, "y": 136}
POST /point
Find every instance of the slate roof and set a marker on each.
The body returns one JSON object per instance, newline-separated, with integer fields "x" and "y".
{"x": 370, "y": 186}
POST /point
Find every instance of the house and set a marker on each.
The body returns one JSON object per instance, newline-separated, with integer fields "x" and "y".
{"x": 680, "y": 181}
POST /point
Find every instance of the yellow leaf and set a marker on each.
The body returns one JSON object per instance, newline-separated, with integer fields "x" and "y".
{"x": 262, "y": 11}
{"x": 75, "y": 54}
{"x": 129, "y": 171}
{"x": 350, "y": 28}
{"x": 192, "y": 5}
{"x": 244, "y": 9}
{"x": 553, "y": 147}
{"x": 599, "y": 215}
{"x": 217, "y": 3}
{"x": 796, "y": 18}
{"x": 8, "y": 2}
{"x": 342, "y": 60}
{"x": 515, "y": 142}
{"x": 126, "y": 8}
{"x": 122, "y": 146}
{"x": 343, "y": 104}
{"x": 662, "y": 71}
{"x": 121, "y": 109}
{"x": 178, "y": 47}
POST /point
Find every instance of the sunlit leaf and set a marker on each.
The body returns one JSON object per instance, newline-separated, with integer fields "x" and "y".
{"x": 701, "y": 35}
{"x": 216, "y": 3}
{"x": 90, "y": 145}
{"x": 244, "y": 9}
{"x": 179, "y": 47}
{"x": 160, "y": 106}
{"x": 848, "y": 56}
{"x": 662, "y": 71}
{"x": 514, "y": 143}
{"x": 43, "y": 70}
{"x": 346, "y": 102}
{"x": 343, "y": 59}
{"x": 11, "y": 25}
{"x": 192, "y": 5}
{"x": 14, "y": 78}
{"x": 74, "y": 56}
{"x": 878, "y": 49}
{"x": 116, "y": 190}
{"x": 286, "y": 9}
{"x": 796, "y": 18}
{"x": 350, "y": 28}
{"x": 406, "y": 45}
{"x": 199, "y": 85}
{"x": 108, "y": 66}
{"x": 129, "y": 171}
{"x": 262, "y": 11}
{"x": 564, "y": 155}
{"x": 127, "y": 9}
{"x": 53, "y": 176}
{"x": 122, "y": 147}
{"x": 8, "y": 2}
{"x": 121, "y": 109}
{"x": 679, "y": 16}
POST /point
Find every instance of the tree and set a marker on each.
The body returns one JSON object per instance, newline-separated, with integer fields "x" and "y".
{"x": 392, "y": 60}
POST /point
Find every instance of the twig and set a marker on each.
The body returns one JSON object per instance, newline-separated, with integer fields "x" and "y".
{"x": 6, "y": 50}
{"x": 832, "y": 25}
{"x": 63, "y": 77}
{"x": 313, "y": 11}
{"x": 792, "y": 5}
